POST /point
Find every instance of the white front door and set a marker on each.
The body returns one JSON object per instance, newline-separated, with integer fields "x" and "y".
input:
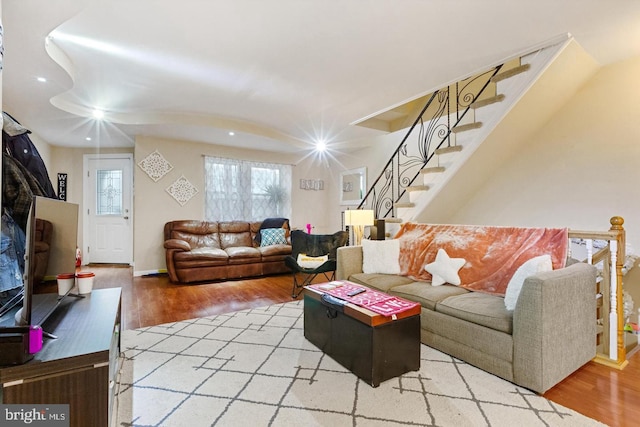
{"x": 108, "y": 209}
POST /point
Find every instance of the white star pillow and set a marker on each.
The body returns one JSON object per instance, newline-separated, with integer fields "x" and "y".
{"x": 445, "y": 269}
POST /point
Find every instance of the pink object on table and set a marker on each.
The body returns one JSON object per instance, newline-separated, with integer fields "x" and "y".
{"x": 308, "y": 228}
{"x": 379, "y": 302}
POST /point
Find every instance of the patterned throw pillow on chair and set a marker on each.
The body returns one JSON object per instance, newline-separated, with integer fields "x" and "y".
{"x": 272, "y": 236}
{"x": 306, "y": 261}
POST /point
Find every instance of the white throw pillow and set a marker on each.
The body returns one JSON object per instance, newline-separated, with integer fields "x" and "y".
{"x": 381, "y": 256}
{"x": 306, "y": 261}
{"x": 530, "y": 268}
{"x": 445, "y": 269}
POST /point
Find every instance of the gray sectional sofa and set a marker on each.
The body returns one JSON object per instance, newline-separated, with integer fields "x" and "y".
{"x": 550, "y": 334}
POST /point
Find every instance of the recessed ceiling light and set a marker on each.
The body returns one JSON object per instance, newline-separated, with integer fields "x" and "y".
{"x": 42, "y": 79}
{"x": 98, "y": 114}
{"x": 231, "y": 133}
{"x": 88, "y": 138}
{"x": 321, "y": 146}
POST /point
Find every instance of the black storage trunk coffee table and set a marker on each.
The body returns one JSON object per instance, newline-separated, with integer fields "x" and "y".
{"x": 372, "y": 346}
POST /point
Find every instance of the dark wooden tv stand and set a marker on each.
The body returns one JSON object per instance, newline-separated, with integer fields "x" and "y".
{"x": 79, "y": 367}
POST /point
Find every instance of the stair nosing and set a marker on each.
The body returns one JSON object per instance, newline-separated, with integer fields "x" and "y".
{"x": 450, "y": 149}
{"x": 417, "y": 188}
{"x": 393, "y": 220}
{"x": 488, "y": 101}
{"x": 434, "y": 169}
{"x": 510, "y": 73}
{"x": 467, "y": 127}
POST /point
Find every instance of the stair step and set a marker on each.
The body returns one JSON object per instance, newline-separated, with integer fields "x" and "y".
{"x": 488, "y": 101}
{"x": 417, "y": 188}
{"x": 434, "y": 169}
{"x": 510, "y": 73}
{"x": 393, "y": 220}
{"x": 464, "y": 128}
{"x": 450, "y": 149}
{"x": 405, "y": 205}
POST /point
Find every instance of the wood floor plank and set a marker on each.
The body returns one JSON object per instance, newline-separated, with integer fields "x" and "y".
{"x": 606, "y": 394}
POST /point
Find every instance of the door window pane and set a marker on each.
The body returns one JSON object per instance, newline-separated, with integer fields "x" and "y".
{"x": 109, "y": 192}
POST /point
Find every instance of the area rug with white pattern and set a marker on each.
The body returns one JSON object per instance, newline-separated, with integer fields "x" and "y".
{"x": 255, "y": 368}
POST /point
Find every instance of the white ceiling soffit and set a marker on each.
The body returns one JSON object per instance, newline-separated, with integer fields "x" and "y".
{"x": 280, "y": 74}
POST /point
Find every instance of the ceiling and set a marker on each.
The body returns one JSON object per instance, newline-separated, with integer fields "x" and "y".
{"x": 281, "y": 74}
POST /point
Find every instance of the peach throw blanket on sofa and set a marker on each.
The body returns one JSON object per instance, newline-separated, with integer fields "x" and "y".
{"x": 493, "y": 254}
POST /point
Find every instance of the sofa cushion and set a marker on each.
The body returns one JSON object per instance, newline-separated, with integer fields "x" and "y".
{"x": 235, "y": 234}
{"x": 425, "y": 294}
{"x": 381, "y": 282}
{"x": 481, "y": 346}
{"x": 243, "y": 255}
{"x": 272, "y": 250}
{"x": 196, "y": 233}
{"x": 202, "y": 256}
{"x": 481, "y": 309}
{"x": 198, "y": 240}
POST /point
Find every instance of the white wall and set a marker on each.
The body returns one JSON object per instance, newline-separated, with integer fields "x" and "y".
{"x": 153, "y": 206}
{"x": 578, "y": 170}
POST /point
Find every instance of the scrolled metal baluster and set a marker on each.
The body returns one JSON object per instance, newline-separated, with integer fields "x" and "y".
{"x": 431, "y": 133}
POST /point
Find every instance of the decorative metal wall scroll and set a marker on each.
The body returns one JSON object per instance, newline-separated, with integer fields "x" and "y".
{"x": 155, "y": 165}
{"x": 182, "y": 190}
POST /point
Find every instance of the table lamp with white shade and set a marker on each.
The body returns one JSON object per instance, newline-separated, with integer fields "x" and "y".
{"x": 358, "y": 219}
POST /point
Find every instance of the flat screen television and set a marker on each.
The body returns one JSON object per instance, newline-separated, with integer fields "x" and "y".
{"x": 64, "y": 217}
{"x": 29, "y": 267}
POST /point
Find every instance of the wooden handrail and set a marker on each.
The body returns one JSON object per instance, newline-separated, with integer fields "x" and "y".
{"x": 594, "y": 235}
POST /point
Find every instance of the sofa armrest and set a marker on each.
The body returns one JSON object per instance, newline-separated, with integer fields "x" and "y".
{"x": 554, "y": 326}
{"x": 172, "y": 246}
{"x": 349, "y": 259}
{"x": 177, "y": 244}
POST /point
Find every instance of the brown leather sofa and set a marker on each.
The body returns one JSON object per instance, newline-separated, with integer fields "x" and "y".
{"x": 198, "y": 251}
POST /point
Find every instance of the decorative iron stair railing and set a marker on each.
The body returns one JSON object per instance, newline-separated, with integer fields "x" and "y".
{"x": 433, "y": 133}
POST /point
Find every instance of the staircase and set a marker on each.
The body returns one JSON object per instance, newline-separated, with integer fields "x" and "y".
{"x": 446, "y": 128}
{"x": 452, "y": 149}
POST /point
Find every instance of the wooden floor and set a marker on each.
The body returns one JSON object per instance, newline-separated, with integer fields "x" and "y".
{"x": 605, "y": 394}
